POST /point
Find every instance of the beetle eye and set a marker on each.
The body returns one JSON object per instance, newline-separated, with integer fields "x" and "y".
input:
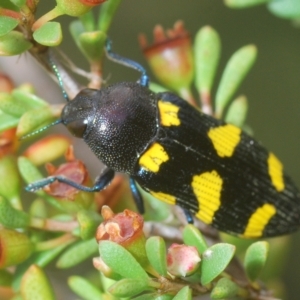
{"x": 77, "y": 128}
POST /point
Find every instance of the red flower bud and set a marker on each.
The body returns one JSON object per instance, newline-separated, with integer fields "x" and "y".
{"x": 170, "y": 57}
{"x": 74, "y": 170}
{"x": 126, "y": 229}
{"x": 182, "y": 260}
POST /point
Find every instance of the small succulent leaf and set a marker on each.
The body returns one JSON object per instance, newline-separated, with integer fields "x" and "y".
{"x": 77, "y": 253}
{"x": 288, "y": 9}
{"x": 121, "y": 261}
{"x": 150, "y": 296}
{"x": 19, "y": 3}
{"x": 91, "y": 45}
{"x": 244, "y": 3}
{"x": 214, "y": 260}
{"x": 7, "y": 24}
{"x": 193, "y": 237}
{"x": 33, "y": 119}
{"x": 224, "y": 289}
{"x": 35, "y": 285}
{"x": 184, "y": 294}
{"x": 7, "y": 121}
{"x": 235, "y": 71}
{"x": 41, "y": 259}
{"x": 29, "y": 100}
{"x": 207, "y": 49}
{"x": 10, "y": 184}
{"x": 129, "y": 287}
{"x": 107, "y": 13}
{"x": 83, "y": 288}
{"x": 13, "y": 43}
{"x": 163, "y": 297}
{"x": 10, "y": 106}
{"x": 49, "y": 34}
{"x": 255, "y": 259}
{"x": 28, "y": 171}
{"x": 11, "y": 217}
{"x": 237, "y": 111}
{"x": 88, "y": 223}
{"x": 156, "y": 253}
{"x": 47, "y": 149}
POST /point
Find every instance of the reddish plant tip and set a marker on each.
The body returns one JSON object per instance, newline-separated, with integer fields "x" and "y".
{"x": 92, "y": 2}
{"x": 74, "y": 170}
{"x": 6, "y": 84}
{"x": 8, "y": 142}
{"x": 121, "y": 228}
{"x": 163, "y": 38}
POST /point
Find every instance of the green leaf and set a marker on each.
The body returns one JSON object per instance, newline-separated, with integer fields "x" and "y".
{"x": 207, "y": 50}
{"x": 156, "y": 253}
{"x": 7, "y": 121}
{"x": 224, "y": 289}
{"x": 77, "y": 253}
{"x": 157, "y": 88}
{"x": 35, "y": 285}
{"x": 129, "y": 287}
{"x": 193, "y": 237}
{"x": 237, "y": 111}
{"x": 19, "y": 3}
{"x": 13, "y": 43}
{"x": 7, "y": 24}
{"x": 41, "y": 259}
{"x": 289, "y": 9}
{"x": 30, "y": 100}
{"x": 107, "y": 13}
{"x": 91, "y": 45}
{"x": 121, "y": 261}
{"x": 83, "y": 288}
{"x": 9, "y": 105}
{"x": 244, "y": 3}
{"x": 184, "y": 294}
{"x": 255, "y": 259}
{"x": 214, "y": 260}
{"x": 10, "y": 179}
{"x": 49, "y": 34}
{"x": 88, "y": 223}
{"x": 12, "y": 218}
{"x": 235, "y": 71}
{"x": 28, "y": 170}
{"x": 33, "y": 119}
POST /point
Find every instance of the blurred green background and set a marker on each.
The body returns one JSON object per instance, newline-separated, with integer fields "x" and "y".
{"x": 272, "y": 87}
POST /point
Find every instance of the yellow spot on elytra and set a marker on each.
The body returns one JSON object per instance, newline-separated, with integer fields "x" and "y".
{"x": 168, "y": 114}
{"x": 207, "y": 188}
{"x": 153, "y": 158}
{"x": 164, "y": 197}
{"x": 225, "y": 138}
{"x": 259, "y": 219}
{"x": 276, "y": 172}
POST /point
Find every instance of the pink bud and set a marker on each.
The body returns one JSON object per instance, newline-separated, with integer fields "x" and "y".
{"x": 182, "y": 260}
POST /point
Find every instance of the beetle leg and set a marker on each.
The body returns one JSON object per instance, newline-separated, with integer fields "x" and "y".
{"x": 137, "y": 197}
{"x": 100, "y": 183}
{"x": 188, "y": 215}
{"x": 144, "y": 80}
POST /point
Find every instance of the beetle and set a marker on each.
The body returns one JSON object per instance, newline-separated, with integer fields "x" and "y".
{"x": 181, "y": 156}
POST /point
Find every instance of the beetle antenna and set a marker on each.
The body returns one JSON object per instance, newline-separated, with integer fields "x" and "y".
{"x": 41, "y": 129}
{"x": 60, "y": 82}
{"x": 144, "y": 80}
